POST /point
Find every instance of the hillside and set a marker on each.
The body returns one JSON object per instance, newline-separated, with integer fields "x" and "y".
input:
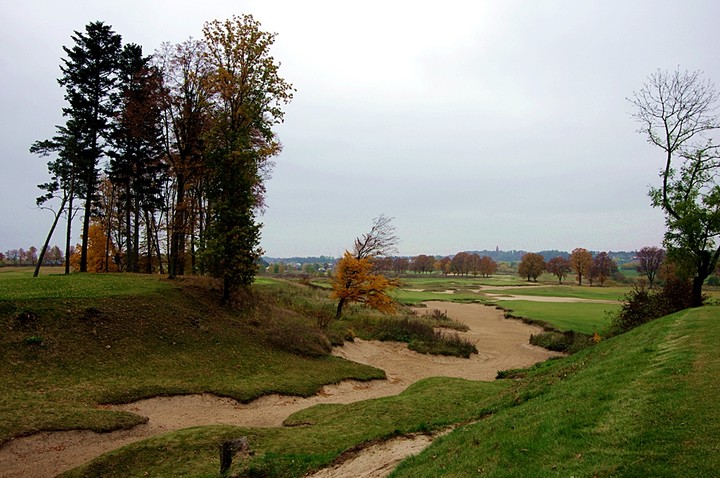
{"x": 640, "y": 404}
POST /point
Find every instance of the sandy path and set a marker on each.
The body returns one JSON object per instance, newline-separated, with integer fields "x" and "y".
{"x": 502, "y": 343}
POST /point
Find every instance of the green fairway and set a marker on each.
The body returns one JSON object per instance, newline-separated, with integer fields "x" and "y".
{"x": 583, "y": 317}
{"x": 572, "y": 291}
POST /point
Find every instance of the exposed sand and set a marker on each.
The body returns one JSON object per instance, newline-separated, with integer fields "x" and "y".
{"x": 540, "y": 298}
{"x": 503, "y": 344}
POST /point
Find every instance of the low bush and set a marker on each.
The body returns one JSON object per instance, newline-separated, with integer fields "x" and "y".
{"x": 642, "y": 305}
{"x": 441, "y": 319}
{"x": 568, "y": 341}
{"x": 445, "y": 344}
{"x": 296, "y": 335}
{"x": 419, "y": 334}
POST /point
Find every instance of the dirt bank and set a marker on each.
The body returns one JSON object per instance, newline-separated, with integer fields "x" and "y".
{"x": 502, "y": 343}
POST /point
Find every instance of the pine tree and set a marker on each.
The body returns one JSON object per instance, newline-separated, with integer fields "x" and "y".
{"x": 90, "y": 81}
{"x": 136, "y": 167}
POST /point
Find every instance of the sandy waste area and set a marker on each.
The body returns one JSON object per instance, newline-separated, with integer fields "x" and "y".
{"x": 502, "y": 344}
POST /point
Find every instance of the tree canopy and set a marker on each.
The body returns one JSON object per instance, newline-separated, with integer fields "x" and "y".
{"x": 531, "y": 265}
{"x": 581, "y": 261}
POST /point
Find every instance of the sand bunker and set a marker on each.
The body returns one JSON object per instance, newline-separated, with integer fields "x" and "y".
{"x": 503, "y": 344}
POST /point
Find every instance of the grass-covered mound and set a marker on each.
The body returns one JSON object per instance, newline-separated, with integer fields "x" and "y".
{"x": 69, "y": 343}
{"x": 640, "y": 404}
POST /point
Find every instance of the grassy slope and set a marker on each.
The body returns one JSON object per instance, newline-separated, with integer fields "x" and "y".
{"x": 642, "y": 404}
{"x": 118, "y": 338}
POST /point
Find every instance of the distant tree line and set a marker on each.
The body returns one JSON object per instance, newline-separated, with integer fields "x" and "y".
{"x": 167, "y": 154}
{"x": 29, "y": 257}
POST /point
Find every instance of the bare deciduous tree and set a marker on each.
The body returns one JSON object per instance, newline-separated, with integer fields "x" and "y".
{"x": 649, "y": 260}
{"x": 380, "y": 241}
{"x": 678, "y": 112}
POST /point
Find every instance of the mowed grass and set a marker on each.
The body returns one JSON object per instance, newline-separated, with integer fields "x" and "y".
{"x": 72, "y": 342}
{"x": 641, "y": 404}
{"x": 583, "y": 317}
{"x": 18, "y": 284}
{"x": 614, "y": 293}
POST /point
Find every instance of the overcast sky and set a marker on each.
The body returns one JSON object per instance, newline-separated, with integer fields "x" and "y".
{"x": 474, "y": 124}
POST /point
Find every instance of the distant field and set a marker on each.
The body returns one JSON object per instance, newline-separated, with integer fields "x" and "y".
{"x": 441, "y": 283}
{"x": 578, "y": 316}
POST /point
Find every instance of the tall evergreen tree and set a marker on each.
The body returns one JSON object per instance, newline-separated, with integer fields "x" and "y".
{"x": 136, "y": 167}
{"x": 90, "y": 81}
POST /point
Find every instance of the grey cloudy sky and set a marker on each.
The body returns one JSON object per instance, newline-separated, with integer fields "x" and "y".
{"x": 474, "y": 124}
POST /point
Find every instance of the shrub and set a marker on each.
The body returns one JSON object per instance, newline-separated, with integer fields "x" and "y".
{"x": 295, "y": 335}
{"x": 642, "y": 305}
{"x": 441, "y": 319}
{"x": 445, "y": 344}
{"x": 568, "y": 341}
{"x": 418, "y": 334}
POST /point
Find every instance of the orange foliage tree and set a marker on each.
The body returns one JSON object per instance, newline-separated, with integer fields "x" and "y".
{"x": 357, "y": 280}
{"x": 101, "y": 251}
{"x": 531, "y": 266}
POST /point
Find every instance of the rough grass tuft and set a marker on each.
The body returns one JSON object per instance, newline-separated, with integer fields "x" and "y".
{"x": 419, "y": 334}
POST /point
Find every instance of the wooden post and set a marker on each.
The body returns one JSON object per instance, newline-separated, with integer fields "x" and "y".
{"x": 228, "y": 449}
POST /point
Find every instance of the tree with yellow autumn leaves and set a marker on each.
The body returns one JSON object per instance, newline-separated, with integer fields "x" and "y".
{"x": 355, "y": 278}
{"x": 101, "y": 251}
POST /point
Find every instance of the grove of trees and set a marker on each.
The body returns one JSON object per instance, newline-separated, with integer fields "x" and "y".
{"x": 168, "y": 152}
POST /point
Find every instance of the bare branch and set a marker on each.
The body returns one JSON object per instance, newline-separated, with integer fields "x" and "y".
{"x": 380, "y": 241}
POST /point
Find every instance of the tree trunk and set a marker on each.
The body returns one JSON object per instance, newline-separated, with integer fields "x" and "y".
{"x": 136, "y": 236}
{"x": 697, "y": 299}
{"x": 338, "y": 312}
{"x": 156, "y": 242}
{"x": 49, "y": 236}
{"x": 108, "y": 231}
{"x": 86, "y": 229}
{"x": 176, "y": 264}
{"x": 68, "y": 234}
